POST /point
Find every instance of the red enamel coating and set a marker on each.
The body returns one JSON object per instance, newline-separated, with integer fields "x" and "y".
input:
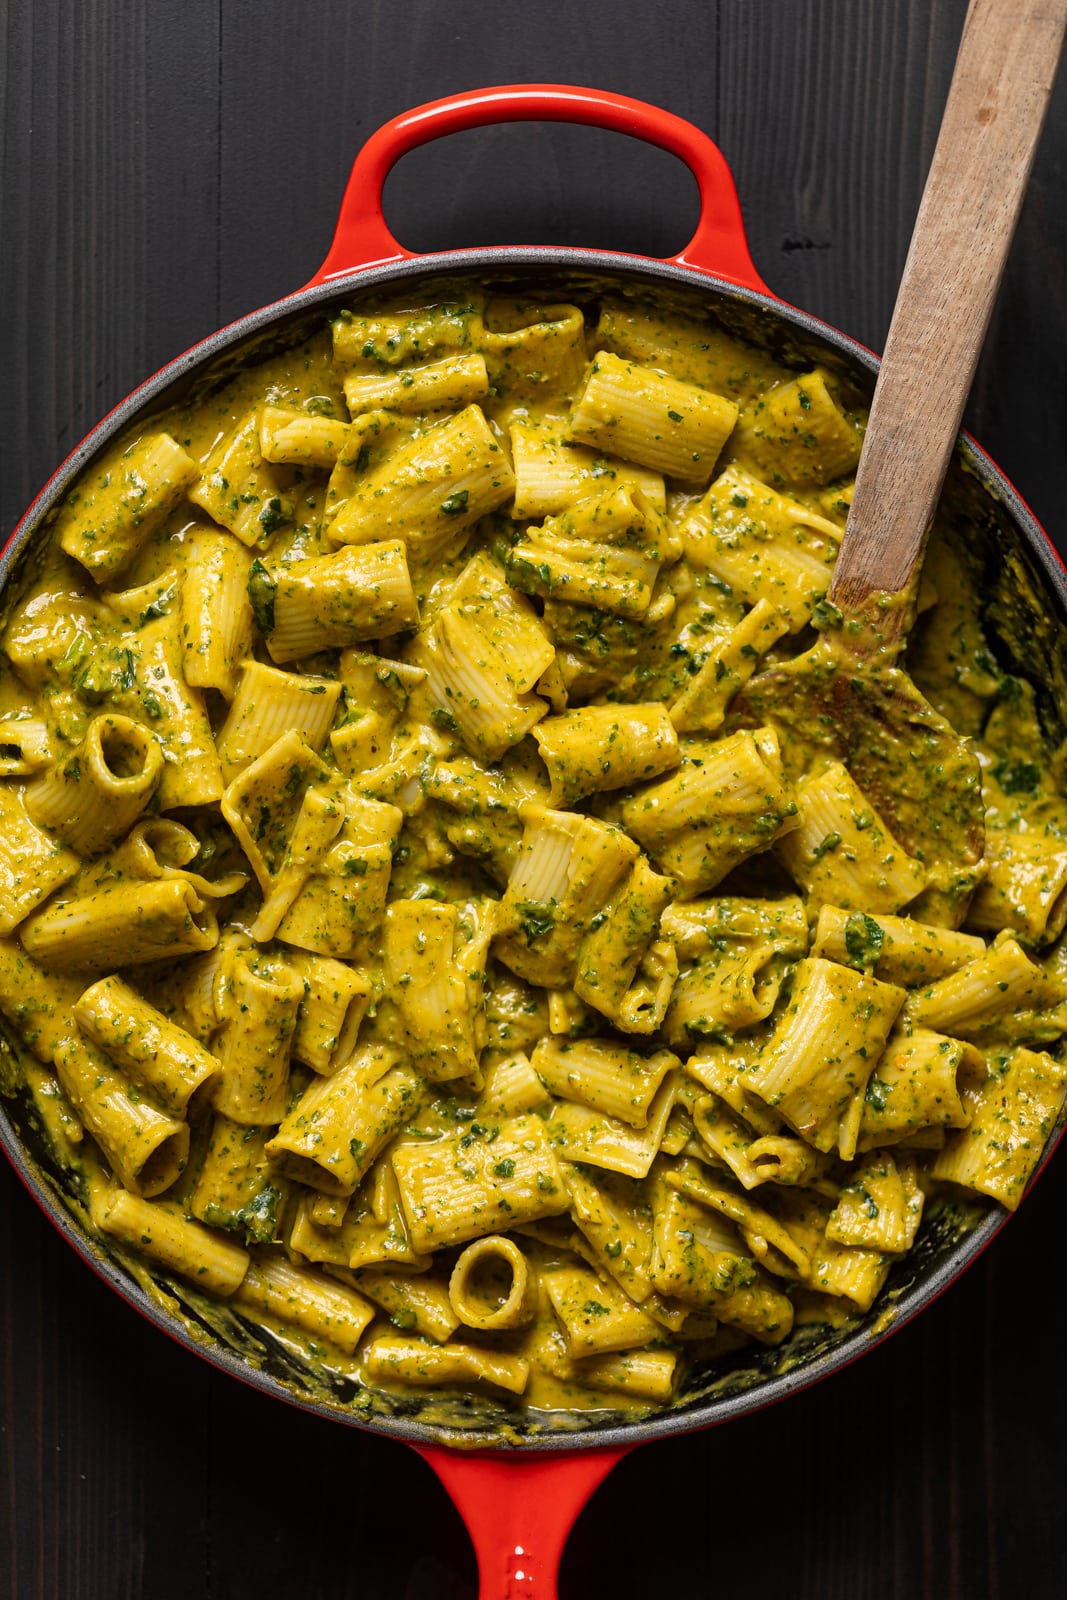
{"x": 718, "y": 246}
{"x": 519, "y": 1513}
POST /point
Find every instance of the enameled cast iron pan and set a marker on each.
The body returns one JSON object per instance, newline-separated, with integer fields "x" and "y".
{"x": 519, "y": 1494}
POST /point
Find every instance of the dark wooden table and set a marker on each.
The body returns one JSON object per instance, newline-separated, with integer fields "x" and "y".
{"x": 166, "y": 167}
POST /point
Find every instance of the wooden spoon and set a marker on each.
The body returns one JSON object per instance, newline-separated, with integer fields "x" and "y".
{"x": 846, "y": 696}
{"x": 993, "y": 117}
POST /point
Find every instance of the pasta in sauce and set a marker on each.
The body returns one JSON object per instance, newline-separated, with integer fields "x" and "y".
{"x": 405, "y": 930}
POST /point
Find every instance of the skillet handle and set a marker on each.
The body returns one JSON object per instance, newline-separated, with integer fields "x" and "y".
{"x": 362, "y": 239}
{"x": 519, "y": 1513}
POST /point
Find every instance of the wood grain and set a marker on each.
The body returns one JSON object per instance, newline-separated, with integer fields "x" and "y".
{"x": 1007, "y": 62}
{"x": 166, "y": 168}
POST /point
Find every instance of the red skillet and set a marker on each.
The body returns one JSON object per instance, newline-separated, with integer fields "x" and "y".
{"x": 519, "y": 1504}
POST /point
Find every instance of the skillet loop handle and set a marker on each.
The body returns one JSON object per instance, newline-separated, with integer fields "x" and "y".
{"x": 362, "y": 238}
{"x": 519, "y": 1513}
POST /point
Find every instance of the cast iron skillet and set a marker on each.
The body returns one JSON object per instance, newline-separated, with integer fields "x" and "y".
{"x": 519, "y": 1494}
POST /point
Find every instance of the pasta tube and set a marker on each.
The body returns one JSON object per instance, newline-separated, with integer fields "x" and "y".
{"x": 612, "y": 953}
{"x": 896, "y": 949}
{"x": 32, "y": 865}
{"x": 614, "y": 1216}
{"x": 290, "y": 436}
{"x": 492, "y": 1285}
{"x": 916, "y": 1085}
{"x": 329, "y": 602}
{"x": 335, "y": 1131}
{"x": 604, "y": 551}
{"x": 605, "y": 747}
{"x": 728, "y": 800}
{"x": 443, "y": 385}
{"x": 123, "y": 926}
{"x": 299, "y": 1296}
{"x": 796, "y": 433}
{"x": 392, "y": 1357}
{"x": 359, "y": 1230}
{"x": 880, "y": 1207}
{"x": 511, "y": 1087}
{"x": 144, "y": 1043}
{"x": 430, "y": 490}
{"x": 551, "y": 474}
{"x": 335, "y": 1002}
{"x": 483, "y": 653}
{"x": 340, "y": 906}
{"x": 266, "y": 801}
{"x": 699, "y": 1258}
{"x": 270, "y": 704}
{"x": 434, "y": 964}
{"x": 982, "y": 993}
{"x": 603, "y": 1075}
{"x": 258, "y": 1008}
{"x": 701, "y": 706}
{"x": 566, "y": 870}
{"x": 581, "y": 1134}
{"x": 1025, "y": 884}
{"x": 217, "y": 621}
{"x": 841, "y": 853}
{"x": 418, "y": 1301}
{"x": 533, "y": 351}
{"x": 389, "y": 338}
{"x": 771, "y": 1244}
{"x": 235, "y": 1187}
{"x": 766, "y": 546}
{"x": 318, "y": 822}
{"x": 459, "y": 1187}
{"x": 579, "y": 572}
{"x": 594, "y": 1315}
{"x": 814, "y": 1069}
{"x": 103, "y": 524}
{"x": 146, "y": 1148}
{"x": 152, "y": 689}
{"x": 695, "y": 350}
{"x": 95, "y": 795}
{"x": 645, "y": 416}
{"x": 847, "y": 1272}
{"x": 240, "y": 490}
{"x": 1012, "y": 1114}
{"x": 641, "y": 1374}
{"x": 488, "y": 825}
{"x": 161, "y": 1231}
{"x": 733, "y": 956}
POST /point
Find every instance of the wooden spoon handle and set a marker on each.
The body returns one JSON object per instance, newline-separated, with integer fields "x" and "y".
{"x": 996, "y": 105}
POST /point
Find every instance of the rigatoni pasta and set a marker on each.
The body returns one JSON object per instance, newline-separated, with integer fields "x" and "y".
{"x": 412, "y": 935}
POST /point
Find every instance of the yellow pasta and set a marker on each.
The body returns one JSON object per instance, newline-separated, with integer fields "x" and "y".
{"x": 414, "y": 930}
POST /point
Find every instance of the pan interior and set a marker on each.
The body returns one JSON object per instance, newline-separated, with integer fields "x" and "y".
{"x": 1025, "y": 611}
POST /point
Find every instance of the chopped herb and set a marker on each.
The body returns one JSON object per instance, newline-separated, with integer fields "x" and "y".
{"x": 537, "y": 918}
{"x": 826, "y": 615}
{"x": 272, "y": 516}
{"x": 261, "y": 592}
{"x": 864, "y": 939}
{"x": 829, "y": 842}
{"x": 1018, "y": 777}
